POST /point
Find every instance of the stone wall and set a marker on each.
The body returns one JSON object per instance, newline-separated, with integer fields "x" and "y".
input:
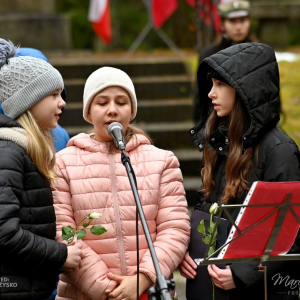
{"x": 27, "y": 6}
{"x": 276, "y": 21}
{"x": 34, "y": 23}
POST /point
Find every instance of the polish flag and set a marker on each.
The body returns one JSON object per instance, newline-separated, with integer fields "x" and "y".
{"x": 162, "y": 10}
{"x": 99, "y": 16}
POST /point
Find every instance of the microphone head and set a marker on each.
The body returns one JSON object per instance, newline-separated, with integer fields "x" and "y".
{"x": 114, "y": 125}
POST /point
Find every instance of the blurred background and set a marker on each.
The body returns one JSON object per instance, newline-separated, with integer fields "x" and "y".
{"x": 158, "y": 44}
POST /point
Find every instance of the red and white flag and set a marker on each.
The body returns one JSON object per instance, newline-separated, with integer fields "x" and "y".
{"x": 99, "y": 16}
{"x": 162, "y": 10}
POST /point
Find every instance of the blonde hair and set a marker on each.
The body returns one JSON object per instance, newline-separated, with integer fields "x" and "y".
{"x": 40, "y": 145}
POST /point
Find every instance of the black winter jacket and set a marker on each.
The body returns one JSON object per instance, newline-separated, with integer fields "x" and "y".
{"x": 256, "y": 81}
{"x": 30, "y": 258}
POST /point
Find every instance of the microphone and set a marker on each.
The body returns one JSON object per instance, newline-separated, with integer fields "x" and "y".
{"x": 115, "y": 130}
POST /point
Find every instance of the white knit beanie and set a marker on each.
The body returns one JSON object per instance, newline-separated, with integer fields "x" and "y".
{"x": 103, "y": 78}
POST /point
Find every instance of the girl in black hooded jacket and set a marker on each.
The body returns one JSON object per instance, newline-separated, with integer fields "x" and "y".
{"x": 30, "y": 258}
{"x": 239, "y": 102}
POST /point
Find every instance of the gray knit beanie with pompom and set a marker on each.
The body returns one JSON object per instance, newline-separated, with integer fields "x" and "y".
{"x": 24, "y": 80}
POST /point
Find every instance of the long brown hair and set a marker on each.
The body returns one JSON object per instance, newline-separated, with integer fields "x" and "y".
{"x": 238, "y": 164}
{"x": 132, "y": 130}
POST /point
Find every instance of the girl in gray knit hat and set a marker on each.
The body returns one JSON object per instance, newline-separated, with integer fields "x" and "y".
{"x": 30, "y": 257}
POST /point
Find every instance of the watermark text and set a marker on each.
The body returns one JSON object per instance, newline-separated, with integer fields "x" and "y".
{"x": 4, "y": 283}
{"x": 287, "y": 281}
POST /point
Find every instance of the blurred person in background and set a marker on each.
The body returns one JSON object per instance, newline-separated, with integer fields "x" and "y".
{"x": 235, "y": 29}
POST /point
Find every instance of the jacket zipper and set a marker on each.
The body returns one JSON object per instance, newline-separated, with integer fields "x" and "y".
{"x": 118, "y": 220}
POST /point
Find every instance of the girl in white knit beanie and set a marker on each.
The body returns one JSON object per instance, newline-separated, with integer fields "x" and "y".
{"x": 91, "y": 177}
{"x": 30, "y": 257}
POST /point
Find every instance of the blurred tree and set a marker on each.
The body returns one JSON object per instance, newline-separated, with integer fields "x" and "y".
{"x": 82, "y": 32}
{"x": 128, "y": 19}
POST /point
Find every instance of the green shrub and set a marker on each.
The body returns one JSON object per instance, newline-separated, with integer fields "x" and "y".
{"x": 290, "y": 95}
{"x": 82, "y": 33}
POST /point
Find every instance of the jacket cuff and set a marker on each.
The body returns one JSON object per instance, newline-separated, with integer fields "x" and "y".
{"x": 149, "y": 275}
{"x": 238, "y": 283}
{"x": 62, "y": 257}
{"x": 149, "y": 279}
{"x": 244, "y": 275}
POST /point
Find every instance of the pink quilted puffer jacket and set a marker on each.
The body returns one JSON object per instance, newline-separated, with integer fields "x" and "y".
{"x": 92, "y": 180}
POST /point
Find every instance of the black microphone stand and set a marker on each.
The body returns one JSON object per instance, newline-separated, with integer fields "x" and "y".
{"x": 162, "y": 286}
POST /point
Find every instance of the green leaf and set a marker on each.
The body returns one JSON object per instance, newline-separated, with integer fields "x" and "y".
{"x": 206, "y": 239}
{"x": 87, "y": 224}
{"x": 67, "y": 236}
{"x": 201, "y": 227}
{"x": 210, "y": 229}
{"x": 81, "y": 234}
{"x": 98, "y": 230}
{"x": 70, "y": 240}
{"x": 66, "y": 230}
{"x": 211, "y": 251}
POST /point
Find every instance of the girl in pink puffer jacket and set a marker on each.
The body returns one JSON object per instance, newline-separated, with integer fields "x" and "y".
{"x": 92, "y": 178}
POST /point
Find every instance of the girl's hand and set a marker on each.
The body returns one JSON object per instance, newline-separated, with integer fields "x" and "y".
{"x": 74, "y": 256}
{"x": 221, "y": 278}
{"x": 187, "y": 267}
{"x": 127, "y": 286}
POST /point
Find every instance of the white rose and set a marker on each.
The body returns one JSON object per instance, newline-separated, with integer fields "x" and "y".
{"x": 94, "y": 215}
{"x": 214, "y": 208}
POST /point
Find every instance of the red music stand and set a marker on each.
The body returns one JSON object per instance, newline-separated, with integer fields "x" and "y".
{"x": 265, "y": 229}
